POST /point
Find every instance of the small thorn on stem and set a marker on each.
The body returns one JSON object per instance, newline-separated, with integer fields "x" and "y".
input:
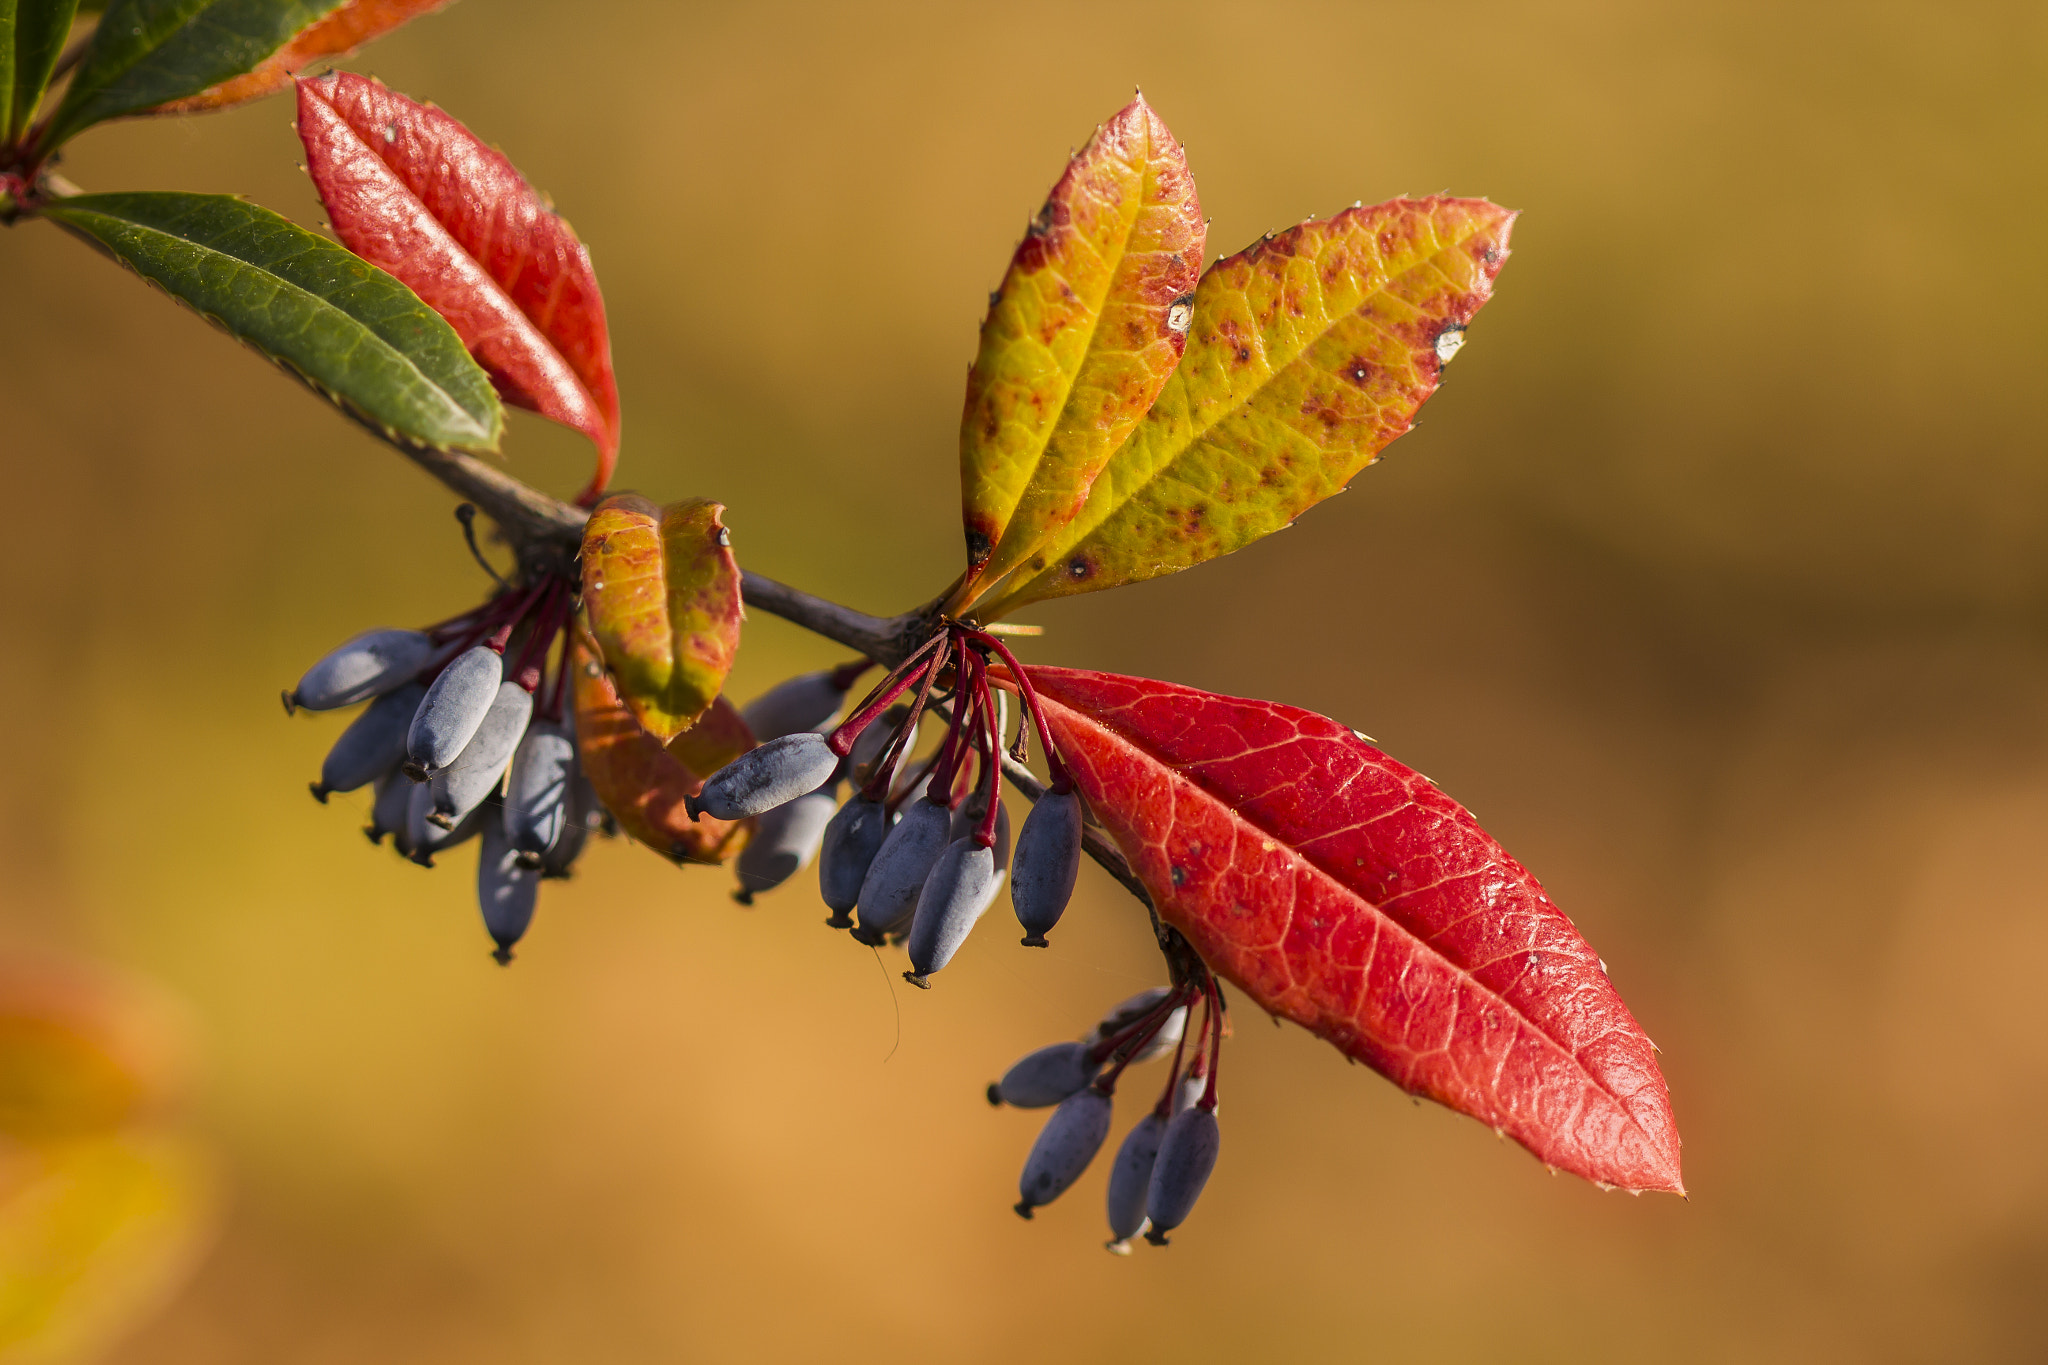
{"x": 466, "y": 514}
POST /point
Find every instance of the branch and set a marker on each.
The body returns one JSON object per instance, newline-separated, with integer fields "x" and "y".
{"x": 544, "y": 530}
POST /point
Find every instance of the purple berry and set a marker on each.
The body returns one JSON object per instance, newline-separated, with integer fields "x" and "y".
{"x": 1187, "y": 1155}
{"x": 1065, "y": 1146}
{"x": 1130, "y": 1179}
{"x": 888, "y": 895}
{"x": 479, "y": 769}
{"x": 373, "y": 743}
{"x": 366, "y": 666}
{"x": 762, "y": 779}
{"x": 452, "y": 710}
{"x": 1045, "y": 1077}
{"x": 959, "y": 889}
{"x": 1048, "y": 863}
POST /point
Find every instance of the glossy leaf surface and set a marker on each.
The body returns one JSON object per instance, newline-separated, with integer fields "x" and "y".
{"x": 340, "y": 33}
{"x": 1309, "y": 352}
{"x": 351, "y": 332}
{"x": 1090, "y": 320}
{"x": 662, "y": 594}
{"x": 641, "y": 782}
{"x": 32, "y": 34}
{"x": 149, "y": 52}
{"x": 1342, "y": 890}
{"x": 413, "y": 191}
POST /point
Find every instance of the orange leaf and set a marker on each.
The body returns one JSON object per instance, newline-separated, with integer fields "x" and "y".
{"x": 642, "y": 783}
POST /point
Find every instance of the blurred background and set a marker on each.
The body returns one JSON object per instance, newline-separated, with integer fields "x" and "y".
{"x": 1715, "y": 581}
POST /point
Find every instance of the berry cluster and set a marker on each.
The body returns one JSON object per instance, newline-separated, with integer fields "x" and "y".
{"x": 466, "y": 736}
{"x": 1166, "y": 1158}
{"x": 923, "y": 847}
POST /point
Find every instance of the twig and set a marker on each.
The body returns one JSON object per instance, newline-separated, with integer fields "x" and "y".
{"x": 542, "y": 528}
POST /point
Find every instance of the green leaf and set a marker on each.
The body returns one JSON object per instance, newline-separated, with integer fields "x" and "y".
{"x": 351, "y": 332}
{"x": 32, "y": 34}
{"x": 148, "y": 51}
{"x": 1308, "y": 353}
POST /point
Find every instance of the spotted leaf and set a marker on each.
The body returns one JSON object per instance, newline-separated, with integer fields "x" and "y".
{"x": 662, "y": 593}
{"x": 1090, "y": 320}
{"x": 1308, "y": 353}
{"x": 1342, "y": 890}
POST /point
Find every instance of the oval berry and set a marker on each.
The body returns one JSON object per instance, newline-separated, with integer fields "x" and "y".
{"x": 366, "y": 666}
{"x": 388, "y": 809}
{"x": 888, "y": 895}
{"x": 477, "y": 771}
{"x": 1045, "y": 1077}
{"x": 506, "y": 890}
{"x": 1187, "y": 1155}
{"x": 424, "y": 838}
{"x": 959, "y": 889}
{"x": 1048, "y": 864}
{"x": 762, "y": 779}
{"x": 804, "y": 702}
{"x": 1065, "y": 1146}
{"x": 785, "y": 841}
{"x": 851, "y": 840}
{"x": 373, "y": 743}
{"x": 537, "y": 794}
{"x": 1130, "y": 1178}
{"x": 453, "y": 708}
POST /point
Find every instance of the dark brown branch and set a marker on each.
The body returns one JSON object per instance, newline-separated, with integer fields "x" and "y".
{"x": 541, "y": 528}
{"x": 886, "y": 640}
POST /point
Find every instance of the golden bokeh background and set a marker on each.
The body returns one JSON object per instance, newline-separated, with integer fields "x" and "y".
{"x": 1715, "y": 581}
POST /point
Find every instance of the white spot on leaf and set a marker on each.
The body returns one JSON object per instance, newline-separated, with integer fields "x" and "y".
{"x": 1447, "y": 343}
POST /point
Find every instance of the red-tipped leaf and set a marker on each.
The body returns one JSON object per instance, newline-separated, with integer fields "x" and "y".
{"x": 1342, "y": 890}
{"x": 356, "y": 22}
{"x": 413, "y": 191}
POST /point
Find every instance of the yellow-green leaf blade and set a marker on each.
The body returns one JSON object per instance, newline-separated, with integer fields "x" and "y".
{"x": 704, "y": 610}
{"x": 1309, "y": 352}
{"x": 1089, "y": 322}
{"x": 662, "y": 594}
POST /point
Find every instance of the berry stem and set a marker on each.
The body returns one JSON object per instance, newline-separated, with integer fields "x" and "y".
{"x": 890, "y": 688}
{"x": 1061, "y": 783}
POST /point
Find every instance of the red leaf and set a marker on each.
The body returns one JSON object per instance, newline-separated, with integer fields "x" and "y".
{"x": 1343, "y": 890}
{"x": 340, "y": 33}
{"x": 412, "y": 191}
